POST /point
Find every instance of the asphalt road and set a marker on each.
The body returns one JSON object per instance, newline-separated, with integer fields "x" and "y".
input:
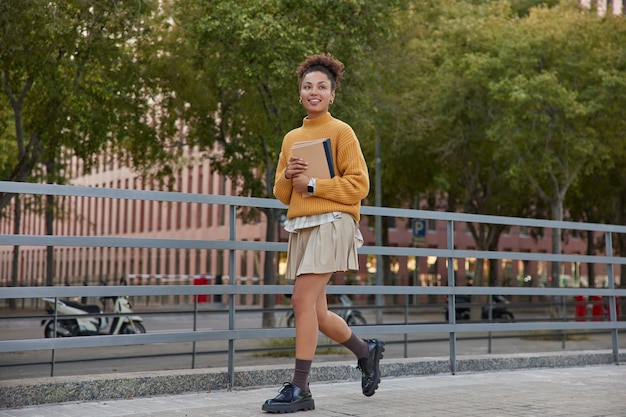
{"x": 172, "y": 356}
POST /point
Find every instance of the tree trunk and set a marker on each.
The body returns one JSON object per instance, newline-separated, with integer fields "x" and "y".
{"x": 557, "y": 214}
{"x": 386, "y": 266}
{"x": 479, "y": 272}
{"x": 493, "y": 273}
{"x": 487, "y": 238}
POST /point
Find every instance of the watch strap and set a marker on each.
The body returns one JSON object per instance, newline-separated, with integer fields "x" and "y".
{"x": 311, "y": 186}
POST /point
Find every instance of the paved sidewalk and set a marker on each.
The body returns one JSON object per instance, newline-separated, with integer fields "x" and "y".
{"x": 583, "y": 391}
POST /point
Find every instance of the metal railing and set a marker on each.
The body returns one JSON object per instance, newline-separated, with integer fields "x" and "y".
{"x": 452, "y": 328}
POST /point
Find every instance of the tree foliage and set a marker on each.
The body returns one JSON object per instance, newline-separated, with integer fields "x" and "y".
{"x": 244, "y": 56}
{"x": 504, "y": 106}
{"x": 73, "y": 82}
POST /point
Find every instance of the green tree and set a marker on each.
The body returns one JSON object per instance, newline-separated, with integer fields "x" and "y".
{"x": 241, "y": 95}
{"x": 398, "y": 83}
{"x": 600, "y": 195}
{"x": 550, "y": 117}
{"x": 445, "y": 148}
{"x": 73, "y": 81}
{"x": 467, "y": 67}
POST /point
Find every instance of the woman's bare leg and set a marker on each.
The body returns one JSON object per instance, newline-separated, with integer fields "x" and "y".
{"x": 330, "y": 323}
{"x": 308, "y": 290}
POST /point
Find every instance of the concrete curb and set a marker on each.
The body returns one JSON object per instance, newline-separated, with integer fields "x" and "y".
{"x": 26, "y": 392}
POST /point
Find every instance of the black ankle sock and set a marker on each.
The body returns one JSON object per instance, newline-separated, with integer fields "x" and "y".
{"x": 301, "y": 373}
{"x": 357, "y": 345}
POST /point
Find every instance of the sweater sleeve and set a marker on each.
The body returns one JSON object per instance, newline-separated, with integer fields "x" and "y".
{"x": 351, "y": 183}
{"x": 282, "y": 186}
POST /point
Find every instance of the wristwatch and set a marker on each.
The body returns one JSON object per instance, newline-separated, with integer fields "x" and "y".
{"x": 311, "y": 187}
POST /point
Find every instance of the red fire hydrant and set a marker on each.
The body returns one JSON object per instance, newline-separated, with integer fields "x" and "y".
{"x": 597, "y": 309}
{"x": 580, "y": 311}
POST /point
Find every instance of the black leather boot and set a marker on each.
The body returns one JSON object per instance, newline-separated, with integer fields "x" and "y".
{"x": 289, "y": 400}
{"x": 369, "y": 366}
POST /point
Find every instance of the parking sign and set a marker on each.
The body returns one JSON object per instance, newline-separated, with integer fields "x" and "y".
{"x": 419, "y": 228}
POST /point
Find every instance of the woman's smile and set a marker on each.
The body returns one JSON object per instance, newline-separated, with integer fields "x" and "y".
{"x": 316, "y": 93}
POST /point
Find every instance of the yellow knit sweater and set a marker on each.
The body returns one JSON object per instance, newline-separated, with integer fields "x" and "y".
{"x": 342, "y": 193}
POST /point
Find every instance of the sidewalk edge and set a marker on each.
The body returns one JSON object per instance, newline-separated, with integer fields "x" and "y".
{"x": 27, "y": 392}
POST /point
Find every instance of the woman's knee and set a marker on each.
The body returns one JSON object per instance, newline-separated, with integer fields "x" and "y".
{"x": 301, "y": 302}
{"x": 297, "y": 299}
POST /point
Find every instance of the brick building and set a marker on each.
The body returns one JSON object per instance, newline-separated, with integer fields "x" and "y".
{"x": 86, "y": 216}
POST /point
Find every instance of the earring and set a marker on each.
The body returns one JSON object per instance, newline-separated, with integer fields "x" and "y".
{"x": 300, "y": 100}
{"x": 331, "y": 102}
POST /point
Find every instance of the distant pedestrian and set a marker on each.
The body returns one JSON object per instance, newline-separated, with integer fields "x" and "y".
{"x": 324, "y": 236}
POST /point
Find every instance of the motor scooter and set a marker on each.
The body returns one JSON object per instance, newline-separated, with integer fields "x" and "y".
{"x": 498, "y": 308}
{"x": 499, "y": 311}
{"x": 88, "y": 319}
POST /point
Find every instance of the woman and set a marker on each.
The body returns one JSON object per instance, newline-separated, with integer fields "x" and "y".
{"x": 322, "y": 220}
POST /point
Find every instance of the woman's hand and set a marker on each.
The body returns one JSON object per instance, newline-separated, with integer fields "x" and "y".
{"x": 295, "y": 167}
{"x": 300, "y": 183}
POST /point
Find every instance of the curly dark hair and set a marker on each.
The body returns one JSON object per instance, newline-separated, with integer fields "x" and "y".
{"x": 325, "y": 63}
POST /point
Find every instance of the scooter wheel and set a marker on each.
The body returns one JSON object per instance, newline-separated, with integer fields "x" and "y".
{"x": 62, "y": 330}
{"x": 134, "y": 328}
{"x": 48, "y": 331}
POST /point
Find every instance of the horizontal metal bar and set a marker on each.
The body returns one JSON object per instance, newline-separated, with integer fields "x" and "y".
{"x": 482, "y": 218}
{"x": 228, "y": 289}
{"x": 239, "y": 334}
{"x": 172, "y": 196}
{"x": 141, "y": 339}
{"x": 460, "y": 254}
{"x": 119, "y": 193}
{"x": 123, "y": 242}
{"x": 127, "y": 242}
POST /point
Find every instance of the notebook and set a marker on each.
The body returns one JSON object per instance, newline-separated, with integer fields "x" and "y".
{"x": 319, "y": 155}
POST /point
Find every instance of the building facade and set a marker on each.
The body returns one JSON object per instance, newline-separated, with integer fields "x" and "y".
{"x": 87, "y": 216}
{"x": 615, "y": 7}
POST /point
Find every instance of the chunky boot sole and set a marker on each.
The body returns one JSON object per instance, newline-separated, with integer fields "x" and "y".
{"x": 380, "y": 348}
{"x": 303, "y": 405}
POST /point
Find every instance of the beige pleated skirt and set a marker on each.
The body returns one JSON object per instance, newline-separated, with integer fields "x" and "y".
{"x": 327, "y": 248}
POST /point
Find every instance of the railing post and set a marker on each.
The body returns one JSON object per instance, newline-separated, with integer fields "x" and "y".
{"x": 490, "y": 317}
{"x": 195, "y": 329}
{"x": 231, "y": 297}
{"x": 56, "y": 322}
{"x": 406, "y": 322}
{"x": 564, "y": 314}
{"x": 612, "y": 302}
{"x": 451, "y": 297}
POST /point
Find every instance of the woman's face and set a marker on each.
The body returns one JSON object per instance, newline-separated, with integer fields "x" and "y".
{"x": 316, "y": 93}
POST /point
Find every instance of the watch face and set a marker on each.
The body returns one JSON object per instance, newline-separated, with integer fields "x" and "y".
{"x": 309, "y": 188}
